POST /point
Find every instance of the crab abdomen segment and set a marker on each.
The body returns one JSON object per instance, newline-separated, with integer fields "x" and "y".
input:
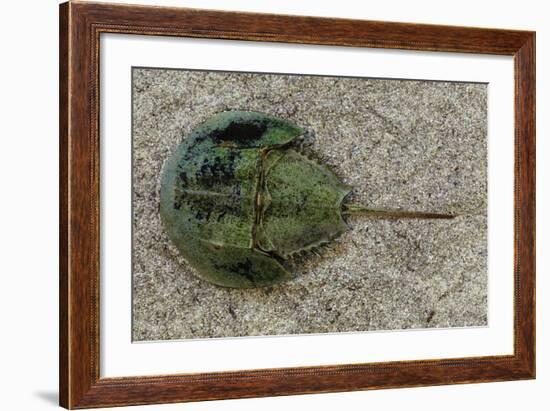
{"x": 302, "y": 203}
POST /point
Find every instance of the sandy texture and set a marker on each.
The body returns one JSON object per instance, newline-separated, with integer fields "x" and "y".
{"x": 415, "y": 145}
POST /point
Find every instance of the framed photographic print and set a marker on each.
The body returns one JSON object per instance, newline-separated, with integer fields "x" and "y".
{"x": 258, "y": 205}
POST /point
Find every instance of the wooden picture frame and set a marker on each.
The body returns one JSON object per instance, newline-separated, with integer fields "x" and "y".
{"x": 80, "y": 27}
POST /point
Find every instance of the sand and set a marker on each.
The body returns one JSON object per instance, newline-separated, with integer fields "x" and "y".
{"x": 415, "y": 145}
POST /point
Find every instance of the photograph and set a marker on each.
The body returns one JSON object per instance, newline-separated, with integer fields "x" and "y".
{"x": 278, "y": 204}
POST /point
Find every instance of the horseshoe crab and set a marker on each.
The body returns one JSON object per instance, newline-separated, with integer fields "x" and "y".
{"x": 238, "y": 200}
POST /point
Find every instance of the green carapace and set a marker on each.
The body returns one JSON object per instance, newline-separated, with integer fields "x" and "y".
{"x": 239, "y": 200}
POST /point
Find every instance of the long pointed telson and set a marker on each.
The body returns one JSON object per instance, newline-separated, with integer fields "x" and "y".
{"x": 357, "y": 209}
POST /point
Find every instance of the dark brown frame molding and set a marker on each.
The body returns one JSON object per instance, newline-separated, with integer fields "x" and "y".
{"x": 80, "y": 27}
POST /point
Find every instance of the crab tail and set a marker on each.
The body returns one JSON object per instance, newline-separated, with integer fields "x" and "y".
{"x": 357, "y": 209}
